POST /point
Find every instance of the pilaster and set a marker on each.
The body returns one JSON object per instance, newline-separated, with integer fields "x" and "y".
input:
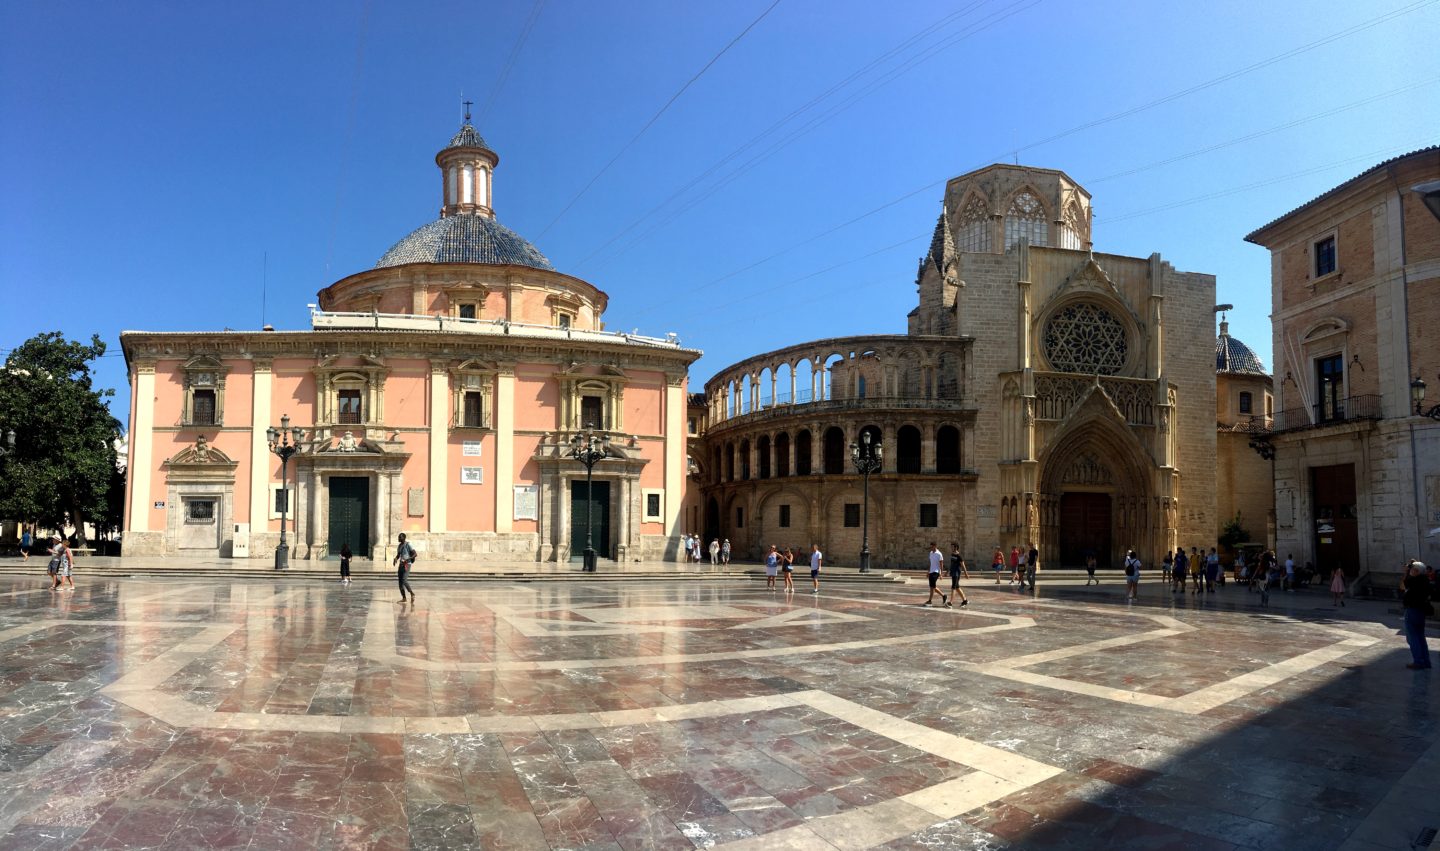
{"x": 143, "y": 437}
{"x": 503, "y": 473}
{"x": 675, "y": 459}
{"x": 262, "y": 391}
{"x": 439, "y": 443}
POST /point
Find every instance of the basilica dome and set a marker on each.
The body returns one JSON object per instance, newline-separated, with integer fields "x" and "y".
{"x": 1233, "y": 356}
{"x": 465, "y": 239}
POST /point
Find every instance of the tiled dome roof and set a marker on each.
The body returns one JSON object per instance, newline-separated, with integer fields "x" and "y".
{"x": 1233, "y": 356}
{"x": 465, "y": 239}
{"x": 468, "y": 137}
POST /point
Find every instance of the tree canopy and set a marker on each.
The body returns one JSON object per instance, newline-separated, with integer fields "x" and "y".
{"x": 62, "y": 469}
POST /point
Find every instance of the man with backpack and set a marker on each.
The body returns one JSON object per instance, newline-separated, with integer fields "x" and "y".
{"x": 1132, "y": 576}
{"x": 404, "y": 558}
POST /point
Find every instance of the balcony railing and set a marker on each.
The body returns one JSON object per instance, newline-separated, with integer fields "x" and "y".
{"x": 785, "y": 409}
{"x": 1330, "y": 413}
{"x": 325, "y": 320}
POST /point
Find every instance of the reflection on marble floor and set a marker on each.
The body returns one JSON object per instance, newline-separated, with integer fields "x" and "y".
{"x": 152, "y": 714}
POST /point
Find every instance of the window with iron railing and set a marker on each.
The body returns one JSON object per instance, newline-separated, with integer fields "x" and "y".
{"x": 348, "y": 407}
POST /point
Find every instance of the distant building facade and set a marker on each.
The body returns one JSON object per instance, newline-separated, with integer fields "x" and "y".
{"x": 437, "y": 394}
{"x": 1244, "y": 410}
{"x": 1355, "y": 288}
{"x": 1037, "y": 396}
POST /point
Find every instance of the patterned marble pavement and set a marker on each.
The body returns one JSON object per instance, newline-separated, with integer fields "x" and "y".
{"x": 249, "y": 714}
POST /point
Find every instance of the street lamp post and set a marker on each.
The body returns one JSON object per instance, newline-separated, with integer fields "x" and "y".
{"x": 1417, "y": 395}
{"x": 589, "y": 450}
{"x": 284, "y": 442}
{"x": 867, "y": 460}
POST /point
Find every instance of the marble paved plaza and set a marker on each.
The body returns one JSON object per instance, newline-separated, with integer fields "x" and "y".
{"x": 278, "y": 715}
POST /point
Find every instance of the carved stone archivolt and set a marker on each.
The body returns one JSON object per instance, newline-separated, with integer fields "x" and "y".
{"x": 1086, "y": 470}
{"x": 1057, "y": 395}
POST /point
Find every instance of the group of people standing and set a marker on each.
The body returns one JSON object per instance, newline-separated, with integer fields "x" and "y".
{"x": 695, "y": 550}
{"x": 781, "y": 563}
{"x": 1023, "y": 564}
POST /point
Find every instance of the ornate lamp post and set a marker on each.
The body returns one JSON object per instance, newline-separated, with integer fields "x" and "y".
{"x": 1417, "y": 395}
{"x": 284, "y": 442}
{"x": 589, "y": 450}
{"x": 867, "y": 460}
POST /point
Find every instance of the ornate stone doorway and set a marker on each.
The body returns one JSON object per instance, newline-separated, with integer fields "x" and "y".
{"x": 350, "y": 515}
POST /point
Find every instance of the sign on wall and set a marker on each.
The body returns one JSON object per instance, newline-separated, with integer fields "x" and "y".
{"x": 159, "y": 503}
{"x": 527, "y": 502}
{"x": 472, "y": 476}
{"x": 470, "y": 448}
{"x": 415, "y": 502}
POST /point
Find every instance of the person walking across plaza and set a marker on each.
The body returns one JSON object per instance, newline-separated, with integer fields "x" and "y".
{"x": 1032, "y": 564}
{"x": 1178, "y": 573}
{"x": 787, "y": 569}
{"x": 345, "y": 556}
{"x": 1014, "y": 564}
{"x": 714, "y": 552}
{"x": 772, "y": 567}
{"x": 936, "y": 560}
{"x": 997, "y": 564}
{"x": 1019, "y": 575}
{"x": 1132, "y": 576}
{"x": 816, "y": 558}
{"x": 1165, "y": 565}
{"x": 1197, "y": 570}
{"x": 1415, "y": 588}
{"x": 1090, "y": 568}
{"x": 1290, "y": 572}
{"x": 26, "y": 542}
{"x": 1212, "y": 570}
{"x": 404, "y": 558}
{"x": 65, "y": 563}
{"x": 725, "y": 552}
{"x": 957, "y": 569}
{"x": 1337, "y": 587}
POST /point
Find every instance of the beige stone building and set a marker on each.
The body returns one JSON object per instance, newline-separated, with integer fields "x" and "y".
{"x": 1244, "y": 413}
{"x": 1355, "y": 287}
{"x": 1034, "y": 398}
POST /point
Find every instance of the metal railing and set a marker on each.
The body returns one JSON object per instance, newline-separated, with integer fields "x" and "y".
{"x": 786, "y": 409}
{"x": 324, "y": 320}
{"x": 1329, "y": 413}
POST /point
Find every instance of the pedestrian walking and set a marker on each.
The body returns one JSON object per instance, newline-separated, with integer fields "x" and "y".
{"x": 1180, "y": 571}
{"x": 1212, "y": 570}
{"x": 936, "y": 560}
{"x": 787, "y": 570}
{"x": 1290, "y": 572}
{"x": 404, "y": 558}
{"x": 1197, "y": 570}
{"x": 997, "y": 564}
{"x": 725, "y": 552}
{"x": 1032, "y": 564}
{"x": 64, "y": 563}
{"x": 1273, "y": 578}
{"x": 772, "y": 566}
{"x": 1132, "y": 576}
{"x": 1416, "y": 600}
{"x": 1337, "y": 587}
{"x": 957, "y": 569}
{"x": 345, "y": 556}
{"x": 1014, "y": 563}
{"x": 1020, "y": 570}
{"x": 714, "y": 552}
{"x": 1165, "y": 565}
{"x": 816, "y": 558}
{"x": 1090, "y": 568}
{"x": 26, "y": 542}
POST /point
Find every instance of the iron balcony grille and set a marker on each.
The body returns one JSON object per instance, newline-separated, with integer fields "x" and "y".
{"x": 1316, "y": 416}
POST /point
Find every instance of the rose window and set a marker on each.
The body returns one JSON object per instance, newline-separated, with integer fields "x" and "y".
{"x": 1085, "y": 338}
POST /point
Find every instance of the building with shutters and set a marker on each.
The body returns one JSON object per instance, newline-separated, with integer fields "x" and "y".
{"x": 437, "y": 394}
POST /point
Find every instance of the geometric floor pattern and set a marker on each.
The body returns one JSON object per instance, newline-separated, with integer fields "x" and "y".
{"x": 251, "y": 714}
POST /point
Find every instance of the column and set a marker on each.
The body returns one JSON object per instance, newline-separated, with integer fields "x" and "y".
{"x": 260, "y": 458}
{"x": 504, "y": 472}
{"x": 793, "y": 399}
{"x": 439, "y": 443}
{"x": 927, "y": 448}
{"x": 816, "y": 379}
{"x": 790, "y": 454}
{"x": 887, "y": 439}
{"x": 142, "y": 437}
{"x": 675, "y": 462}
{"x": 467, "y": 184}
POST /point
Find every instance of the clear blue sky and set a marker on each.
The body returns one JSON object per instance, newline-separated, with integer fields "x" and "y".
{"x": 153, "y": 155}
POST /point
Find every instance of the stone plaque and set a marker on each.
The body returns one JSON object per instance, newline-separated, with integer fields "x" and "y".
{"x": 472, "y": 476}
{"x": 470, "y": 448}
{"x": 527, "y": 502}
{"x": 415, "y": 502}
{"x": 984, "y": 511}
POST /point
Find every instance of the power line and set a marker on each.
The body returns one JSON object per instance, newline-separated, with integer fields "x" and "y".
{"x": 510, "y": 61}
{"x": 656, "y": 116}
{"x": 1352, "y": 30}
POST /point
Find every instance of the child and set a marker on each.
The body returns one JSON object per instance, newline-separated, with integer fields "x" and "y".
{"x": 1337, "y": 587}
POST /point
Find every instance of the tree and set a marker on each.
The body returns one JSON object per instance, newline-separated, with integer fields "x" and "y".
{"x": 63, "y": 467}
{"x": 1233, "y": 534}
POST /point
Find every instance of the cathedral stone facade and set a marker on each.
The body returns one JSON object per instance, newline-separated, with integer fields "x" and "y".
{"x": 1037, "y": 397}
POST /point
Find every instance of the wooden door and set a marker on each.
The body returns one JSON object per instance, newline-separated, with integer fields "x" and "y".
{"x": 350, "y": 515}
{"x": 1084, "y": 528}
{"x": 599, "y": 507}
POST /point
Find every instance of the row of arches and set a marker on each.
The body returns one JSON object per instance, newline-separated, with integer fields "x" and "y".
{"x": 780, "y": 455}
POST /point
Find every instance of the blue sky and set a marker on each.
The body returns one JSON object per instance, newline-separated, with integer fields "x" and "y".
{"x": 163, "y": 163}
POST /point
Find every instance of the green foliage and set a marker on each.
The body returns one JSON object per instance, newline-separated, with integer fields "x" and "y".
{"x": 1233, "y": 534}
{"x": 63, "y": 466}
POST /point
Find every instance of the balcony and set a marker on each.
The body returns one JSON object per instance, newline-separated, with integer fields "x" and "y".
{"x": 1346, "y": 410}
{"x": 867, "y": 403}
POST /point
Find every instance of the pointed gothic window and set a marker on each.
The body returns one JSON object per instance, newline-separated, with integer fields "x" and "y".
{"x": 973, "y": 226}
{"x": 1085, "y": 338}
{"x": 1072, "y": 233}
{"x": 1026, "y": 217}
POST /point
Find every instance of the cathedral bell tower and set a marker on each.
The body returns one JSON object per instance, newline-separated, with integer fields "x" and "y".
{"x": 467, "y": 166}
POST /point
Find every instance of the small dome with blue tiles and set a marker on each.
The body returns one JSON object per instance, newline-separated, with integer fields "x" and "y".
{"x": 468, "y": 137}
{"x": 1234, "y": 357}
{"x": 465, "y": 238}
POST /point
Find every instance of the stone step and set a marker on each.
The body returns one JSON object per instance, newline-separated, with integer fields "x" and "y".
{"x": 474, "y": 574}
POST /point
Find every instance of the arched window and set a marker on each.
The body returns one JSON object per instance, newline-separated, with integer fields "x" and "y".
{"x": 1026, "y": 217}
{"x": 802, "y": 453}
{"x": 834, "y": 451}
{"x": 860, "y": 388}
{"x": 1246, "y": 403}
{"x": 972, "y": 226}
{"x": 947, "y": 450}
{"x": 907, "y": 450}
{"x": 762, "y": 448}
{"x": 1072, "y": 233}
{"x": 782, "y": 454}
